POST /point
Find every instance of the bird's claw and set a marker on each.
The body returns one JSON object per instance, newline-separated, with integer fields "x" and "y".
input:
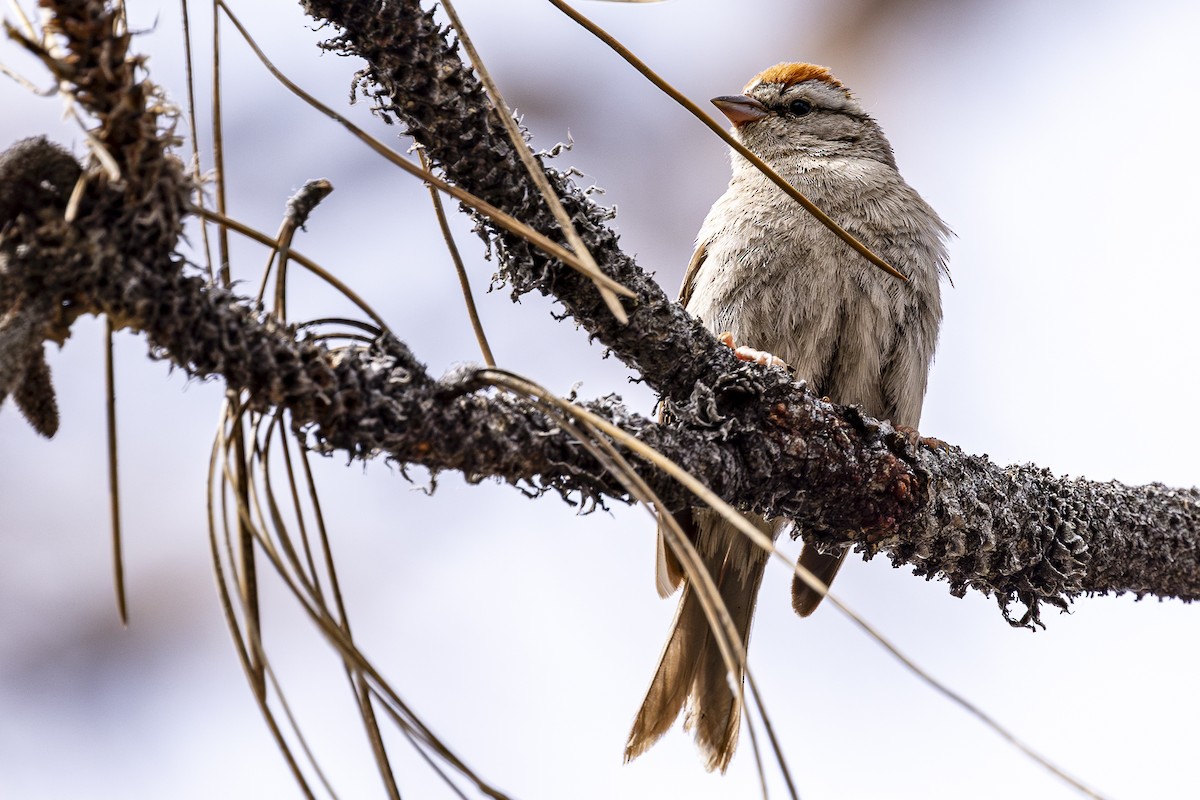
{"x": 915, "y": 439}
{"x": 761, "y": 357}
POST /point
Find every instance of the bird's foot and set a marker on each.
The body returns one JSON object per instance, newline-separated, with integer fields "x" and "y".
{"x": 915, "y": 439}
{"x": 750, "y": 354}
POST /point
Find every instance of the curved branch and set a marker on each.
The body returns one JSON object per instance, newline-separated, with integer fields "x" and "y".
{"x": 1019, "y": 534}
{"x": 415, "y": 75}
{"x": 757, "y": 438}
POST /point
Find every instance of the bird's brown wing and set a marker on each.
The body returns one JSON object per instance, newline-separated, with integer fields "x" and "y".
{"x": 668, "y": 570}
{"x": 689, "y": 277}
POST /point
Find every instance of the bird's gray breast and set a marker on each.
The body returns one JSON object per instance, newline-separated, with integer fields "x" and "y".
{"x": 779, "y": 280}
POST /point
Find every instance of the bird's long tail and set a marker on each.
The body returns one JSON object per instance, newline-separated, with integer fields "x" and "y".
{"x": 691, "y": 670}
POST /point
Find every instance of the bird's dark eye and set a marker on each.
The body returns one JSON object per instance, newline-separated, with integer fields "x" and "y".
{"x": 798, "y": 108}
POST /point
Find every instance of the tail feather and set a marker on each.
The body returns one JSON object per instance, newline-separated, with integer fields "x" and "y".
{"x": 672, "y": 680}
{"x": 692, "y": 670}
{"x": 715, "y": 711}
{"x": 825, "y": 567}
{"x": 668, "y": 572}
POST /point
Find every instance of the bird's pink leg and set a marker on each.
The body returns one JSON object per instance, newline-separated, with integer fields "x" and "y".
{"x": 915, "y": 439}
{"x": 750, "y": 354}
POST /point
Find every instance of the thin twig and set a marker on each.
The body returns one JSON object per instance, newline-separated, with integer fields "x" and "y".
{"x": 358, "y": 680}
{"x": 299, "y": 206}
{"x": 299, "y": 258}
{"x": 463, "y": 282}
{"x": 114, "y": 483}
{"x": 496, "y": 215}
{"x": 227, "y": 608}
{"x": 219, "y": 149}
{"x": 532, "y": 168}
{"x": 193, "y": 129}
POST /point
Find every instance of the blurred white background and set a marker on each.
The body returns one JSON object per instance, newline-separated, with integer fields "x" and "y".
{"x": 1058, "y": 142}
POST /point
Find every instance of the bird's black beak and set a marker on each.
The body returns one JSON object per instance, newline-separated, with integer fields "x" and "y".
{"x": 740, "y": 108}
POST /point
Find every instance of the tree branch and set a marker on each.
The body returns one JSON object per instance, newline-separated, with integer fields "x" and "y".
{"x": 757, "y": 438}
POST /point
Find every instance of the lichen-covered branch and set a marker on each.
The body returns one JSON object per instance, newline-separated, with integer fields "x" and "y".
{"x": 756, "y": 437}
{"x": 1051, "y": 528}
{"x": 414, "y": 76}
{"x": 1021, "y": 533}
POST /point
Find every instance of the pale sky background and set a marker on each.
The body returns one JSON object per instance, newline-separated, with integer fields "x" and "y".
{"x": 1057, "y": 140}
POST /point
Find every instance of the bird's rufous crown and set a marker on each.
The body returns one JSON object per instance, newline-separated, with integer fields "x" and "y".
{"x": 789, "y": 74}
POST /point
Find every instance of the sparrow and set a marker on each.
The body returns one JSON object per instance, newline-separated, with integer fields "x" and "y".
{"x": 771, "y": 277}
